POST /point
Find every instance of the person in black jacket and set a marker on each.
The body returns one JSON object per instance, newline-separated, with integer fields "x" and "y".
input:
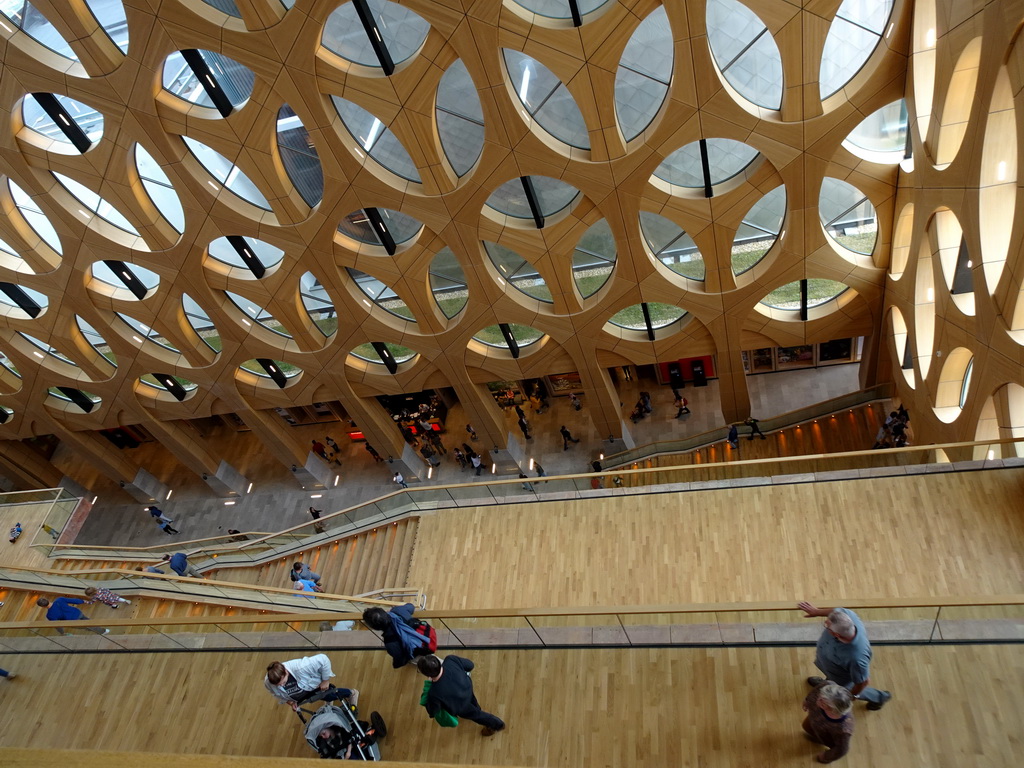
{"x": 398, "y": 642}
{"x": 452, "y": 690}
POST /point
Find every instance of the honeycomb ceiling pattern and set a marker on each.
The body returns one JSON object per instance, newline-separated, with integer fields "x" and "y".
{"x": 202, "y": 231}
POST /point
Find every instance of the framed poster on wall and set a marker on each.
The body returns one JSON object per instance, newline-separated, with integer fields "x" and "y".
{"x": 563, "y": 383}
{"x": 800, "y": 356}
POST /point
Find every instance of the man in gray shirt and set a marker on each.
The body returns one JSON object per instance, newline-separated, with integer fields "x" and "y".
{"x": 844, "y": 654}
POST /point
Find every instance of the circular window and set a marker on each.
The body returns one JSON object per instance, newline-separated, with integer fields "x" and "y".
{"x": 853, "y": 36}
{"x": 258, "y": 314}
{"x": 745, "y": 52}
{"x": 380, "y": 294}
{"x": 248, "y": 253}
{"x": 758, "y": 231}
{"x": 460, "y": 118}
{"x": 19, "y": 302}
{"x": 227, "y": 173}
{"x": 518, "y": 271}
{"x": 62, "y": 119}
{"x": 533, "y": 197}
{"x": 593, "y": 259}
{"x": 524, "y": 335}
{"x": 644, "y": 73}
{"x": 208, "y": 78}
{"x": 881, "y": 137}
{"x": 847, "y": 216}
{"x": 819, "y": 291}
{"x": 398, "y": 32}
{"x": 448, "y": 283}
{"x": 661, "y": 316}
{"x": 546, "y": 99}
{"x": 725, "y": 159}
{"x": 299, "y": 156}
{"x": 380, "y": 226}
{"x": 672, "y": 246}
{"x": 159, "y": 188}
{"x": 318, "y": 304}
{"x": 369, "y": 354}
{"x": 376, "y": 139}
{"x": 26, "y": 17}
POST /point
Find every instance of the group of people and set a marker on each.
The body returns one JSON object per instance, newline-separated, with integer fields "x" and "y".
{"x": 734, "y": 433}
{"x": 330, "y": 452}
{"x": 304, "y": 579}
{"x": 893, "y": 432}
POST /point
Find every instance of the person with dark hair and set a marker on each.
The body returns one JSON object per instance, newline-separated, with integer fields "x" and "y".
{"x": 236, "y": 535}
{"x": 566, "y": 437}
{"x": 461, "y": 458}
{"x": 451, "y": 690}
{"x": 63, "y": 609}
{"x": 754, "y": 429}
{"x": 476, "y": 462}
{"x": 299, "y": 680}
{"x": 540, "y": 470}
{"x": 302, "y": 571}
{"x": 166, "y": 528}
{"x": 734, "y": 436}
{"x": 471, "y": 432}
{"x": 397, "y": 627}
{"x": 317, "y": 526}
{"x": 180, "y": 565}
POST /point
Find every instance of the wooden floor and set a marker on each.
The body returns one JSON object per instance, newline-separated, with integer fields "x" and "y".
{"x": 919, "y": 536}
{"x": 713, "y": 708}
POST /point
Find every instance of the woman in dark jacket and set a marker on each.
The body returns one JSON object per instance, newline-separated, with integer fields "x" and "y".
{"x": 401, "y": 640}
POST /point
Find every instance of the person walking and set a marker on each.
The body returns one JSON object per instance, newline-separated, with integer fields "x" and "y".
{"x": 105, "y": 596}
{"x": 844, "y": 654}
{"x": 54, "y": 533}
{"x": 527, "y": 486}
{"x": 398, "y": 631}
{"x": 399, "y": 479}
{"x": 540, "y": 470}
{"x": 317, "y": 526}
{"x": 460, "y": 457}
{"x": 180, "y": 565}
{"x": 451, "y": 690}
{"x": 524, "y": 425}
{"x": 754, "y": 429}
{"x": 299, "y": 680}
{"x": 575, "y": 402}
{"x": 471, "y": 431}
{"x": 566, "y": 437}
{"x": 829, "y": 719}
{"x": 734, "y": 436}
{"x": 63, "y": 609}
{"x": 477, "y": 463}
{"x": 166, "y": 528}
{"x": 159, "y": 515}
{"x": 682, "y": 404}
{"x": 335, "y": 449}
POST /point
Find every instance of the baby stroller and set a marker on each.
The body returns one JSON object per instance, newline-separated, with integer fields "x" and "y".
{"x": 337, "y": 733}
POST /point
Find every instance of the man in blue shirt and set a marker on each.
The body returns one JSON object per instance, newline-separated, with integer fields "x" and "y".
{"x": 844, "y": 654}
{"x": 180, "y": 565}
{"x": 63, "y": 609}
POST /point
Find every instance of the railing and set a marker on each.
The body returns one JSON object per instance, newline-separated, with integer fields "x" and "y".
{"x": 800, "y": 415}
{"x": 898, "y": 621}
{"x": 132, "y": 583}
{"x": 690, "y": 477}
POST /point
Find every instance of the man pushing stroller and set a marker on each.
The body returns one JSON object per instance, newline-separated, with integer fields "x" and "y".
{"x": 307, "y": 679}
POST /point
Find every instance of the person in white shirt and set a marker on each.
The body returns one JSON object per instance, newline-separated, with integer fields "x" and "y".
{"x": 299, "y": 680}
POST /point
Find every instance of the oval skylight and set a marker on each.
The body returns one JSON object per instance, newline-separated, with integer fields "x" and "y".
{"x": 848, "y": 216}
{"x": 745, "y": 52}
{"x": 225, "y": 6}
{"x": 518, "y": 271}
{"x": 137, "y": 280}
{"x": 397, "y": 29}
{"x": 177, "y": 386}
{"x": 448, "y": 283}
{"x": 82, "y": 117}
{"x": 685, "y": 167}
{"x": 7, "y": 363}
{"x": 207, "y": 78}
{"x": 20, "y": 302}
{"x": 270, "y": 368}
{"x": 318, "y": 304}
{"x": 819, "y": 291}
{"x": 852, "y": 38}
{"x": 201, "y": 323}
{"x": 758, "y": 231}
{"x": 546, "y": 99}
{"x": 644, "y": 73}
{"x": 380, "y": 294}
{"x": 227, "y": 173}
{"x": 248, "y": 253}
{"x": 593, "y": 259}
{"x": 559, "y": 9}
{"x": 95, "y": 339}
{"x": 110, "y": 15}
{"x": 257, "y": 313}
{"x": 551, "y": 196}
{"x": 460, "y": 118}
{"x": 672, "y": 246}
{"x": 662, "y": 315}
{"x": 26, "y": 17}
{"x": 12, "y": 260}
{"x": 96, "y": 204}
{"x": 380, "y": 226}
{"x": 524, "y": 335}
{"x": 42, "y": 349}
{"x": 376, "y": 139}
{"x": 142, "y": 332}
{"x": 881, "y": 137}
{"x": 34, "y": 217}
{"x": 369, "y": 354}
{"x": 159, "y": 188}
{"x": 299, "y": 156}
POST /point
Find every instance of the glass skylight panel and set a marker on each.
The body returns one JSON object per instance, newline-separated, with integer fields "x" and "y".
{"x": 7, "y": 363}
{"x": 672, "y": 246}
{"x": 726, "y": 158}
{"x": 376, "y": 139}
{"x": 34, "y": 217}
{"x": 745, "y": 52}
{"x": 34, "y": 302}
{"x": 524, "y": 335}
{"x": 268, "y": 255}
{"x": 369, "y": 354}
{"x": 883, "y": 132}
{"x": 299, "y": 156}
{"x": 96, "y": 341}
{"x": 546, "y": 99}
{"x": 24, "y": 15}
{"x": 559, "y": 9}
{"x": 642, "y": 79}
{"x": 234, "y": 79}
{"x": 144, "y": 333}
{"x": 357, "y": 225}
{"x": 227, "y": 173}
{"x": 258, "y": 313}
{"x": 448, "y": 283}
{"x": 819, "y": 291}
{"x": 159, "y": 188}
{"x": 85, "y": 117}
{"x": 381, "y": 294}
{"x": 318, "y": 304}
{"x": 518, "y": 271}
{"x": 853, "y": 36}
{"x": 121, "y": 274}
{"x": 225, "y": 6}
{"x": 201, "y": 322}
{"x": 758, "y": 230}
{"x": 632, "y": 318}
{"x": 47, "y": 348}
{"x": 460, "y": 118}
{"x": 110, "y": 15}
{"x": 847, "y": 215}
{"x": 95, "y": 203}
{"x": 402, "y": 32}
{"x": 593, "y": 259}
{"x": 553, "y": 196}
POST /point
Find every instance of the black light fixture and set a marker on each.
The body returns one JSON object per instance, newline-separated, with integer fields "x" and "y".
{"x": 385, "y": 356}
{"x": 380, "y": 228}
{"x": 374, "y": 36}
{"x": 647, "y": 320}
{"x": 705, "y": 166}
{"x": 129, "y": 278}
{"x": 172, "y": 385}
{"x": 803, "y": 299}
{"x": 78, "y": 397}
{"x": 246, "y": 254}
{"x": 196, "y": 62}
{"x": 63, "y": 120}
{"x": 22, "y": 300}
{"x": 513, "y": 345}
{"x": 273, "y": 371}
{"x": 532, "y": 201}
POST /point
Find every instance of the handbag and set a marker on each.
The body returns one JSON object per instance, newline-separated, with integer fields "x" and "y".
{"x": 443, "y": 717}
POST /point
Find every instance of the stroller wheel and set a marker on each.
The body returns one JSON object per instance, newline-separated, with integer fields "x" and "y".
{"x": 377, "y": 723}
